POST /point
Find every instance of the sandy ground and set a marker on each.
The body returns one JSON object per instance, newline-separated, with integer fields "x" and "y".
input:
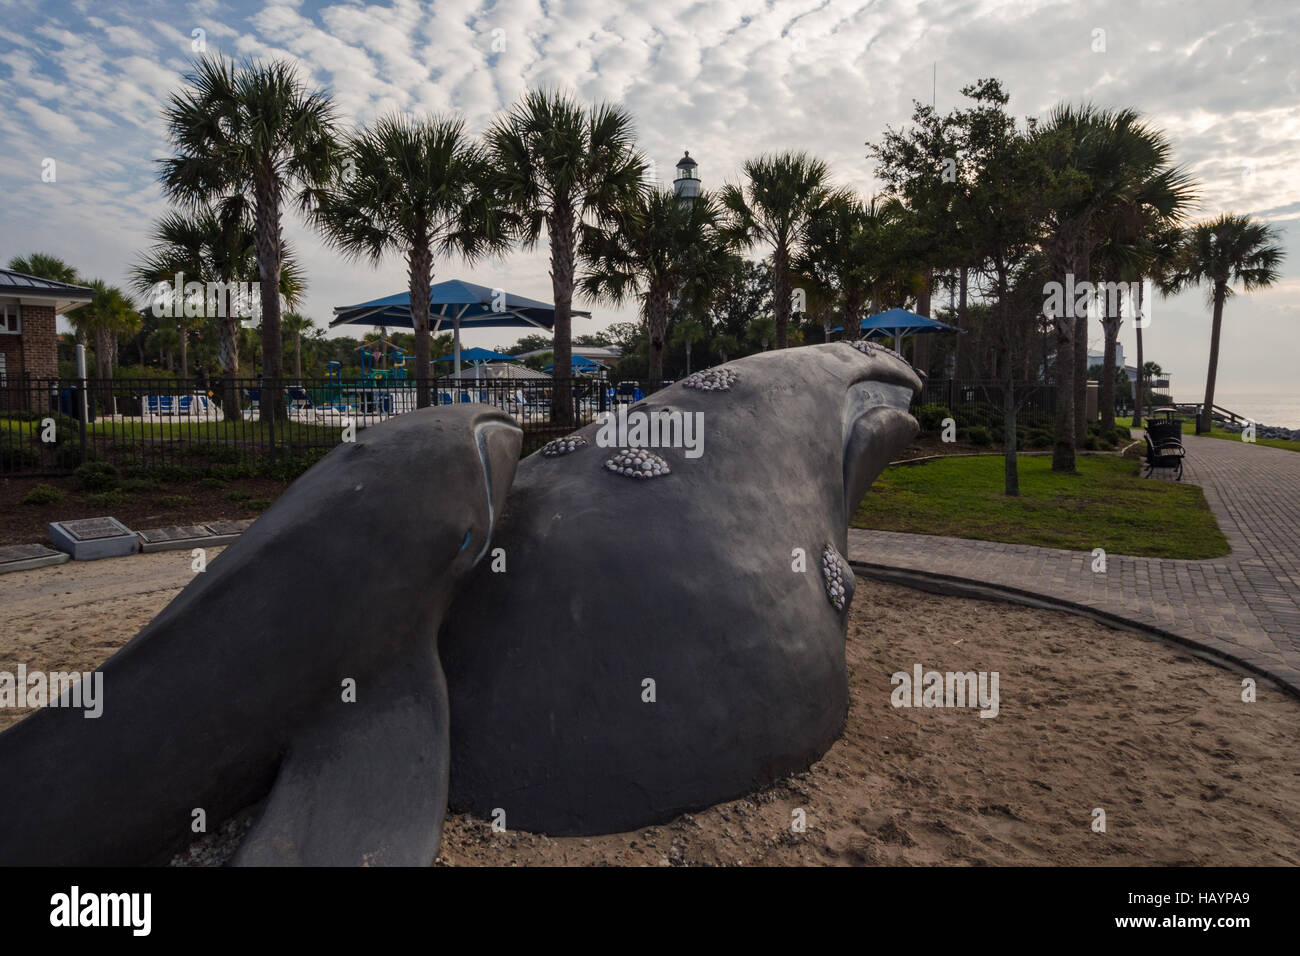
{"x": 1089, "y": 718}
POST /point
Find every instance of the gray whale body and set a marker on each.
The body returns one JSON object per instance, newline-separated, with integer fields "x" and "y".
{"x": 685, "y": 579}
{"x": 235, "y": 691}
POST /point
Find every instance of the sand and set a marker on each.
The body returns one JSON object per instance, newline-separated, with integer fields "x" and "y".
{"x": 1089, "y": 718}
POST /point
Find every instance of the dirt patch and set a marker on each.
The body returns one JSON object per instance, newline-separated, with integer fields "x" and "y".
{"x": 170, "y": 503}
{"x": 1089, "y": 718}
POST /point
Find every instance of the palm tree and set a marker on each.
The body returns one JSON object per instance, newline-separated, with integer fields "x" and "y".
{"x": 687, "y": 332}
{"x": 1106, "y": 163}
{"x": 781, "y": 197}
{"x": 1225, "y": 250}
{"x": 109, "y": 314}
{"x": 246, "y": 137}
{"x": 296, "y": 324}
{"x": 42, "y": 265}
{"x": 419, "y": 187}
{"x": 209, "y": 246}
{"x": 1159, "y": 249}
{"x": 568, "y": 168}
{"x": 655, "y": 247}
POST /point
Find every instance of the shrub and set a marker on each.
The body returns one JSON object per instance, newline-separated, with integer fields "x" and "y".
{"x": 42, "y": 494}
{"x": 210, "y": 482}
{"x": 174, "y": 501}
{"x": 930, "y": 417}
{"x": 237, "y": 495}
{"x": 96, "y": 476}
{"x": 979, "y": 436}
{"x": 256, "y": 504}
{"x": 17, "y": 455}
{"x": 139, "y": 484}
{"x": 106, "y": 499}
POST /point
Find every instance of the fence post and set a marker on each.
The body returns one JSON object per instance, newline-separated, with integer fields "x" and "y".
{"x": 83, "y": 408}
{"x": 262, "y": 405}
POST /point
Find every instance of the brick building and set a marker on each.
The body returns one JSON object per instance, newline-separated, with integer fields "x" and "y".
{"x": 29, "y": 342}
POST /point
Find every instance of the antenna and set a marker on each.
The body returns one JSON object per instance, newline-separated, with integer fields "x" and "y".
{"x": 934, "y": 83}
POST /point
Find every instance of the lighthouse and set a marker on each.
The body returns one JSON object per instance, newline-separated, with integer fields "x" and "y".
{"x": 687, "y": 183}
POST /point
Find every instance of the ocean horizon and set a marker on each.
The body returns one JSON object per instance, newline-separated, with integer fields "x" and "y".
{"x": 1280, "y": 409}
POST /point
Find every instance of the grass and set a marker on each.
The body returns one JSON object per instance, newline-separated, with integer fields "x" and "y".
{"x": 137, "y": 430}
{"x": 1106, "y": 505}
{"x": 1189, "y": 428}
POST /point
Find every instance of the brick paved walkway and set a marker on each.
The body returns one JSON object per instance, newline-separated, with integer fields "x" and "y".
{"x": 1245, "y": 606}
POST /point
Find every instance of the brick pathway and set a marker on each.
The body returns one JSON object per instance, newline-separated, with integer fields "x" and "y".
{"x": 1245, "y": 606}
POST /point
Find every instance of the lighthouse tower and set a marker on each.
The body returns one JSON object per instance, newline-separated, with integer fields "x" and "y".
{"x": 687, "y": 183}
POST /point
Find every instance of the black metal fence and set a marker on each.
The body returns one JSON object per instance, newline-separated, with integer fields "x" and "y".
{"x": 188, "y": 429}
{"x": 979, "y": 402}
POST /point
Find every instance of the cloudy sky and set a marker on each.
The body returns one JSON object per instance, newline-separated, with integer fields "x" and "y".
{"x": 82, "y": 83}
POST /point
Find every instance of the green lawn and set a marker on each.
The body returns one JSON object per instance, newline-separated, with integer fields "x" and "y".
{"x": 1189, "y": 428}
{"x": 136, "y": 430}
{"x": 1106, "y": 505}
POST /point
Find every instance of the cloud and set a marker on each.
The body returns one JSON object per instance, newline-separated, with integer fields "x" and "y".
{"x": 726, "y": 79}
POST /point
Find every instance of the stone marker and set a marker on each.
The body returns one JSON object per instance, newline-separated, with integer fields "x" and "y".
{"x": 175, "y": 538}
{"x": 24, "y": 557}
{"x": 89, "y": 539}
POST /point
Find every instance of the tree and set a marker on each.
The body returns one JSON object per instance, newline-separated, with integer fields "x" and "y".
{"x": 245, "y": 137}
{"x": 567, "y": 167}
{"x": 654, "y": 248}
{"x": 782, "y": 195}
{"x": 687, "y": 332}
{"x": 42, "y": 265}
{"x": 109, "y": 314}
{"x": 420, "y": 187}
{"x": 296, "y": 324}
{"x": 1225, "y": 250}
{"x": 209, "y": 245}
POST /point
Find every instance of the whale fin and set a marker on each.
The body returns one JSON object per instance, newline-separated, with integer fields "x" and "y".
{"x": 873, "y": 434}
{"x": 367, "y": 786}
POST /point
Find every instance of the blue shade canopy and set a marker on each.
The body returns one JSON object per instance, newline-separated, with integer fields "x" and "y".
{"x": 454, "y": 302}
{"x": 476, "y": 355}
{"x": 582, "y": 363}
{"x": 900, "y": 322}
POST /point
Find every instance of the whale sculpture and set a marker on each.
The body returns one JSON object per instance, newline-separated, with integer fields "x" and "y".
{"x": 300, "y": 668}
{"x": 664, "y": 628}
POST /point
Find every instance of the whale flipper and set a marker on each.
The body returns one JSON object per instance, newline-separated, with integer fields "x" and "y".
{"x": 365, "y": 787}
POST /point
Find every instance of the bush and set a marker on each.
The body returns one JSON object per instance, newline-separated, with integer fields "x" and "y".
{"x": 106, "y": 499}
{"x": 96, "y": 476}
{"x": 979, "y": 436}
{"x": 210, "y": 482}
{"x": 139, "y": 484}
{"x": 42, "y": 494}
{"x": 256, "y": 504}
{"x": 930, "y": 417}
{"x": 16, "y": 455}
{"x": 237, "y": 495}
{"x": 174, "y": 501}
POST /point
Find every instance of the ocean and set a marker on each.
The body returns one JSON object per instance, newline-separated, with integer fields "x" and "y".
{"x": 1281, "y": 409}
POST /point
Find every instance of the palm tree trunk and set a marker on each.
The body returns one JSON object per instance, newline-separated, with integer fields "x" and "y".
{"x": 560, "y": 227}
{"x": 1207, "y": 410}
{"x": 419, "y": 274}
{"x": 1139, "y": 400}
{"x": 1063, "y": 447}
{"x": 657, "y": 329}
{"x": 1110, "y": 326}
{"x": 268, "y": 270}
{"x": 185, "y": 352}
{"x": 228, "y": 355}
{"x": 297, "y": 357}
{"x": 1083, "y": 270}
{"x": 781, "y": 294}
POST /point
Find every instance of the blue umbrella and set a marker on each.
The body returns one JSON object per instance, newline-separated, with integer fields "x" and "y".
{"x": 901, "y": 322}
{"x": 454, "y": 303}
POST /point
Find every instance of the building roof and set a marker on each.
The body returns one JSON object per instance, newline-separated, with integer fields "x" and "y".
{"x": 686, "y": 160}
{"x": 24, "y": 288}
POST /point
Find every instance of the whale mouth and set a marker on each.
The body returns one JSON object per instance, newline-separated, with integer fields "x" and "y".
{"x": 876, "y": 426}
